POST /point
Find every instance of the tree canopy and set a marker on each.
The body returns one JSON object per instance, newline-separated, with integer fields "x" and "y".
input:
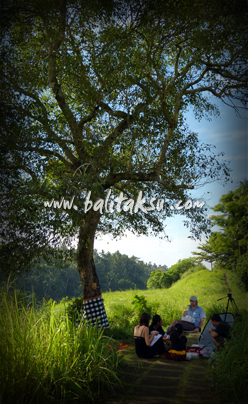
{"x": 160, "y": 280}
{"x": 59, "y": 279}
{"x": 229, "y": 246}
{"x": 94, "y": 98}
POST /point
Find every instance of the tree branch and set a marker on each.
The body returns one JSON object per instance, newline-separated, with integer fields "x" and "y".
{"x": 142, "y": 177}
{"x": 32, "y": 175}
{"x": 117, "y": 114}
{"x": 56, "y": 87}
{"x": 43, "y": 120}
{"x": 214, "y": 92}
{"x": 123, "y": 125}
{"x": 46, "y": 152}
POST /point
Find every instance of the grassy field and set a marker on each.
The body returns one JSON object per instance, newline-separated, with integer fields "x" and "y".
{"x": 208, "y": 286}
{"x": 230, "y": 367}
{"x": 45, "y": 358}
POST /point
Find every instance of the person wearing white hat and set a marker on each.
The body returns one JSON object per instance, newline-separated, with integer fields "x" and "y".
{"x": 192, "y": 319}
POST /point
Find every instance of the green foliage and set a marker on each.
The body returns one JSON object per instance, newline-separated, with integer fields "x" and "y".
{"x": 159, "y": 279}
{"x": 45, "y": 359}
{"x": 230, "y": 366}
{"x": 242, "y": 270}
{"x": 240, "y": 267}
{"x": 57, "y": 279}
{"x": 141, "y": 306}
{"x": 229, "y": 247}
{"x": 206, "y": 252}
{"x": 75, "y": 309}
{"x": 195, "y": 268}
{"x": 103, "y": 109}
{"x": 181, "y": 266}
{"x": 53, "y": 280}
{"x": 119, "y": 272}
{"x": 207, "y": 285}
{"x": 64, "y": 300}
{"x": 233, "y": 220}
{"x": 124, "y": 311}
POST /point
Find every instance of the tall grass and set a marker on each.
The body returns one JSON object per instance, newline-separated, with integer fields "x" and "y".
{"x": 231, "y": 366}
{"x": 44, "y": 358}
{"x": 208, "y": 286}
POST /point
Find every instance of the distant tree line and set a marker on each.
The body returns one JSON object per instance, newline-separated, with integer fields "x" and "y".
{"x": 57, "y": 279}
{"x": 119, "y": 272}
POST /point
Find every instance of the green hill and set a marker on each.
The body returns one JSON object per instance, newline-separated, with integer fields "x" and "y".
{"x": 208, "y": 286}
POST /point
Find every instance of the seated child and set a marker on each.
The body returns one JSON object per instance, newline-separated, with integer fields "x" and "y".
{"x": 178, "y": 344}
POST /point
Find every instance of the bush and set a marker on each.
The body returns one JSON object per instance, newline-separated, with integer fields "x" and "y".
{"x": 159, "y": 280}
{"x": 141, "y": 306}
{"x": 75, "y": 309}
{"x": 230, "y": 366}
{"x": 180, "y": 267}
{"x": 242, "y": 270}
{"x": 124, "y": 314}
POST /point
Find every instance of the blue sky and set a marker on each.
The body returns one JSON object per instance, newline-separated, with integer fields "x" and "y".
{"x": 229, "y": 134}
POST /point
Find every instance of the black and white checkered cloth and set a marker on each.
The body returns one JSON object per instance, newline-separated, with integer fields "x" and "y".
{"x": 94, "y": 311}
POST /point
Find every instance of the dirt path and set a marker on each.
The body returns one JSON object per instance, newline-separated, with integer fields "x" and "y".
{"x": 160, "y": 381}
{"x": 227, "y": 283}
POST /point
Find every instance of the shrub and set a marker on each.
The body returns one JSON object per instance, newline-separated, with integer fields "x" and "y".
{"x": 230, "y": 366}
{"x": 242, "y": 270}
{"x": 159, "y": 280}
{"x": 75, "y": 309}
{"x": 141, "y": 306}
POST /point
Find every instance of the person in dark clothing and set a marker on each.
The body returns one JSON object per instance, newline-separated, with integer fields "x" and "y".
{"x": 144, "y": 344}
{"x": 178, "y": 344}
{"x": 156, "y": 325}
{"x": 221, "y": 331}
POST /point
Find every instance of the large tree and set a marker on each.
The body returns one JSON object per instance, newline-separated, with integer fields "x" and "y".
{"x": 94, "y": 100}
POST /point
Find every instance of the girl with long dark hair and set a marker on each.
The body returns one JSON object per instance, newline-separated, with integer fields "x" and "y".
{"x": 144, "y": 342}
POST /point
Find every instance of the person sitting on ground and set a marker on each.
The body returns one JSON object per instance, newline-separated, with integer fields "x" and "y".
{"x": 221, "y": 331}
{"x": 195, "y": 317}
{"x": 156, "y": 325}
{"x": 143, "y": 340}
{"x": 178, "y": 344}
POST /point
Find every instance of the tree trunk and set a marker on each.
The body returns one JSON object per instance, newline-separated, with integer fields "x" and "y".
{"x": 93, "y": 307}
